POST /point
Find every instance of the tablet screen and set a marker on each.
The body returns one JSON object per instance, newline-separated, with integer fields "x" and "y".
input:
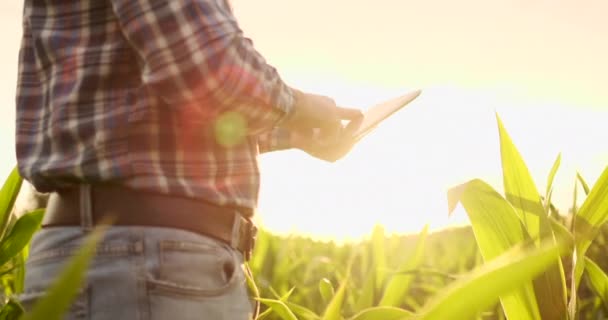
{"x": 376, "y": 114}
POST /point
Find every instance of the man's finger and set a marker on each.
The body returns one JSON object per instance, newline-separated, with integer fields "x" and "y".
{"x": 353, "y": 126}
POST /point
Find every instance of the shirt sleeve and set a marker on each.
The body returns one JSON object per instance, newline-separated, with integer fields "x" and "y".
{"x": 194, "y": 55}
{"x": 275, "y": 140}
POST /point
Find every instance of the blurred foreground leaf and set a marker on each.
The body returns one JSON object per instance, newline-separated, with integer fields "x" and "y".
{"x": 65, "y": 288}
{"x": 493, "y": 279}
{"x": 497, "y": 229}
{"x": 520, "y": 190}
{"x": 8, "y": 195}
{"x": 20, "y": 235}
{"x": 12, "y": 310}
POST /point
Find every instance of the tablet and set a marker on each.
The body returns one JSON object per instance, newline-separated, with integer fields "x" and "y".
{"x": 376, "y": 114}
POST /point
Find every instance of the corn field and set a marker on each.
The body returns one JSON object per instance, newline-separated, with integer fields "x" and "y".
{"x": 519, "y": 259}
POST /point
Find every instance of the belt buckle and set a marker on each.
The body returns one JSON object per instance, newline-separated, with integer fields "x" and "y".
{"x": 247, "y": 233}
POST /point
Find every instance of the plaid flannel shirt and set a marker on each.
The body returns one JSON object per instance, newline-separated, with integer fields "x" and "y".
{"x": 165, "y": 96}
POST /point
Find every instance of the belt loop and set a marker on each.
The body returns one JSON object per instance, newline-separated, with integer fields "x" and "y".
{"x": 235, "y": 240}
{"x": 86, "y": 207}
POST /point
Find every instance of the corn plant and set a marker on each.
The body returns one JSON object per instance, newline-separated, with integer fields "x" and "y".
{"x": 520, "y": 237}
{"x": 504, "y": 274}
{"x": 500, "y": 223}
{"x": 15, "y": 235}
{"x": 515, "y": 237}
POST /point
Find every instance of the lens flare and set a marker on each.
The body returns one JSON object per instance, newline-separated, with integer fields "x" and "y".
{"x": 230, "y": 129}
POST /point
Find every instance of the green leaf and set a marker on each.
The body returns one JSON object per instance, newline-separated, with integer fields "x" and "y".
{"x": 574, "y": 204}
{"x": 280, "y": 308}
{"x": 326, "y": 289}
{"x": 522, "y": 193}
{"x": 19, "y": 271}
{"x": 562, "y": 233}
{"x": 261, "y": 251}
{"x": 378, "y": 251}
{"x": 497, "y": 229}
{"x": 368, "y": 292}
{"x": 8, "y": 195}
{"x": 580, "y": 179}
{"x": 598, "y": 280}
{"x": 12, "y": 310}
{"x": 20, "y": 235}
{"x": 589, "y": 218}
{"x": 302, "y": 312}
{"x": 587, "y": 222}
{"x": 399, "y": 284}
{"x": 507, "y": 273}
{"x": 68, "y": 284}
{"x": 519, "y": 187}
{"x": 384, "y": 313}
{"x": 334, "y": 308}
{"x": 551, "y": 177}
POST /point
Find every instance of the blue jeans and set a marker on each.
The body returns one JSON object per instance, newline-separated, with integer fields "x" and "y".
{"x": 144, "y": 273}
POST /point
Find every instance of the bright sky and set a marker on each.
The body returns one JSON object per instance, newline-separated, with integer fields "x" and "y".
{"x": 542, "y": 64}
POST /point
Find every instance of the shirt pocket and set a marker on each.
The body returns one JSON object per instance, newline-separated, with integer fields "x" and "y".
{"x": 194, "y": 269}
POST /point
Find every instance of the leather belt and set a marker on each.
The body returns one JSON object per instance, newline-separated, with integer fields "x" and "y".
{"x": 128, "y": 207}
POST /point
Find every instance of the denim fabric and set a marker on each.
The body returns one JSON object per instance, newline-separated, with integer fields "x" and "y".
{"x": 144, "y": 273}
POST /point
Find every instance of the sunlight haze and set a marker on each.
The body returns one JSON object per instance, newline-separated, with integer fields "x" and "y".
{"x": 541, "y": 65}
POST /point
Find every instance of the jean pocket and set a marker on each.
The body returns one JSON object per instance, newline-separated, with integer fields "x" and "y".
{"x": 195, "y": 269}
{"x": 78, "y": 310}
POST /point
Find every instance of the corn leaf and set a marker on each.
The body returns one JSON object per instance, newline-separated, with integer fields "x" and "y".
{"x": 68, "y": 284}
{"x": 8, "y": 195}
{"x": 522, "y": 193}
{"x": 519, "y": 187}
{"x": 497, "y": 229}
{"x": 19, "y": 271}
{"x": 384, "y": 313}
{"x": 398, "y": 286}
{"x": 584, "y": 184}
{"x": 12, "y": 310}
{"x": 302, "y": 312}
{"x": 334, "y": 308}
{"x": 551, "y": 177}
{"x": 368, "y": 292}
{"x": 589, "y": 218}
{"x": 20, "y": 235}
{"x": 562, "y": 233}
{"x": 507, "y": 273}
{"x": 261, "y": 250}
{"x": 598, "y": 280}
{"x": 378, "y": 251}
{"x": 326, "y": 289}
{"x": 280, "y": 308}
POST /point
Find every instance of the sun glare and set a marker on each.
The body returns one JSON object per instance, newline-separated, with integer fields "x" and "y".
{"x": 399, "y": 175}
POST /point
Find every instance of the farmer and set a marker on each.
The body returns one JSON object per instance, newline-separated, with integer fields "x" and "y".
{"x": 153, "y": 112}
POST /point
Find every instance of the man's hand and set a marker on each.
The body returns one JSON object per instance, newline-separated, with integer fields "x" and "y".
{"x": 319, "y": 114}
{"x": 317, "y": 128}
{"x": 326, "y": 149}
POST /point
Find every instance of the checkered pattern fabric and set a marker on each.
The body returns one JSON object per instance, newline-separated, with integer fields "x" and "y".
{"x": 164, "y": 96}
